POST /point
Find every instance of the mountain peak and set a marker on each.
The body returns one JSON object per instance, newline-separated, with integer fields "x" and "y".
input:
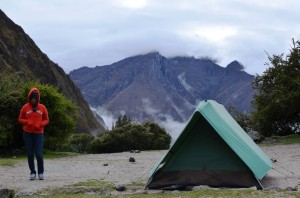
{"x": 153, "y": 87}
{"x": 235, "y": 65}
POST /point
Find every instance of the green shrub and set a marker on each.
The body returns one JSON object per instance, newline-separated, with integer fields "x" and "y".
{"x": 62, "y": 113}
{"x": 11, "y": 101}
{"x": 81, "y": 143}
{"x": 148, "y": 136}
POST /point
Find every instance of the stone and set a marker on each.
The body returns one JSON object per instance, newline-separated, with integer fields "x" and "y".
{"x": 194, "y": 188}
{"x": 120, "y": 187}
{"x": 274, "y": 160}
{"x": 131, "y": 159}
{"x": 291, "y": 189}
{"x": 105, "y": 164}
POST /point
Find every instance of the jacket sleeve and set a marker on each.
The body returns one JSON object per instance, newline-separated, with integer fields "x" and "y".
{"x": 45, "y": 119}
{"x": 22, "y": 119}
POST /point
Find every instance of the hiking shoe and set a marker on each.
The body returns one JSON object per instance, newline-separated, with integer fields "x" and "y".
{"x": 41, "y": 176}
{"x": 32, "y": 176}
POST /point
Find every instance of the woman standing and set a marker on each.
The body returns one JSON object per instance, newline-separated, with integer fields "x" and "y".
{"x": 34, "y": 117}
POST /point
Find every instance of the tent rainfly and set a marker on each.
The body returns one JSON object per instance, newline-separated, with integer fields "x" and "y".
{"x": 211, "y": 150}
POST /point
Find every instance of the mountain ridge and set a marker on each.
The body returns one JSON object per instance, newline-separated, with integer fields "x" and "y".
{"x": 151, "y": 86}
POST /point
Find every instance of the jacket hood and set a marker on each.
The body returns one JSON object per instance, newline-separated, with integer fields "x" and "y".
{"x": 30, "y": 92}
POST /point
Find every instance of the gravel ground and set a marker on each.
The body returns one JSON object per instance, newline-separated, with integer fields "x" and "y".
{"x": 69, "y": 170}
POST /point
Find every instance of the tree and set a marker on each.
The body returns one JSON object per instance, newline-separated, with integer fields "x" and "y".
{"x": 62, "y": 112}
{"x": 278, "y": 94}
{"x": 243, "y": 119}
{"x": 122, "y": 121}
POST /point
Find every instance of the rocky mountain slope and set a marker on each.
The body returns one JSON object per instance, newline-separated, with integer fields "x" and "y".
{"x": 19, "y": 53}
{"x": 153, "y": 87}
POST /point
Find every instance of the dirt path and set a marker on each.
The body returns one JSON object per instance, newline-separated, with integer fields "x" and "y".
{"x": 69, "y": 170}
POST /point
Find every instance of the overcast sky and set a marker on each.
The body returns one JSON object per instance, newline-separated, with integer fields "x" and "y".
{"x": 75, "y": 33}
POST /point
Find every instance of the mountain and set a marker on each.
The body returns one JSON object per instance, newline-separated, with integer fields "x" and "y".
{"x": 18, "y": 53}
{"x": 153, "y": 87}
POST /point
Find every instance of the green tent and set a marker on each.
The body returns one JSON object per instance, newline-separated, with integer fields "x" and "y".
{"x": 211, "y": 150}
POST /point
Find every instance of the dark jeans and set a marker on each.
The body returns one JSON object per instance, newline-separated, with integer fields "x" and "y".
{"x": 34, "y": 145}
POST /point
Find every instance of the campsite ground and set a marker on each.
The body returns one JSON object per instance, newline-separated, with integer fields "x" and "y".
{"x": 85, "y": 175}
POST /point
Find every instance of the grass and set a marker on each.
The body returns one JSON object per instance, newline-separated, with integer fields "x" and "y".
{"x": 290, "y": 139}
{"x": 100, "y": 185}
{"x": 12, "y": 160}
{"x": 190, "y": 194}
{"x": 282, "y": 140}
{"x": 53, "y": 155}
{"x": 96, "y": 183}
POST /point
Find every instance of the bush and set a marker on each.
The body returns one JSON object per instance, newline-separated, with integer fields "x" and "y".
{"x": 11, "y": 101}
{"x": 81, "y": 143}
{"x": 62, "y": 113}
{"x": 148, "y": 136}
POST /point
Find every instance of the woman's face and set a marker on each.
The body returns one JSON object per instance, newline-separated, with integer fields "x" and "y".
{"x": 33, "y": 101}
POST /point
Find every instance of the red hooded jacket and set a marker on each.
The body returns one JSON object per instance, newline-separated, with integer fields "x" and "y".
{"x": 33, "y": 121}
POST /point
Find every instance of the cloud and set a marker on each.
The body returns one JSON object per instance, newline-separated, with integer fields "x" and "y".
{"x": 133, "y": 4}
{"x": 174, "y": 128}
{"x": 74, "y": 33}
{"x": 108, "y": 118}
{"x": 181, "y": 77}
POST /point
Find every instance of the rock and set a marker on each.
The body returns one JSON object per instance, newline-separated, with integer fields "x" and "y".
{"x": 131, "y": 159}
{"x": 137, "y": 151}
{"x": 255, "y": 136}
{"x": 105, "y": 164}
{"x": 131, "y": 151}
{"x": 250, "y": 188}
{"x": 175, "y": 191}
{"x": 194, "y": 188}
{"x": 7, "y": 193}
{"x": 291, "y": 189}
{"x": 120, "y": 187}
{"x": 274, "y": 160}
